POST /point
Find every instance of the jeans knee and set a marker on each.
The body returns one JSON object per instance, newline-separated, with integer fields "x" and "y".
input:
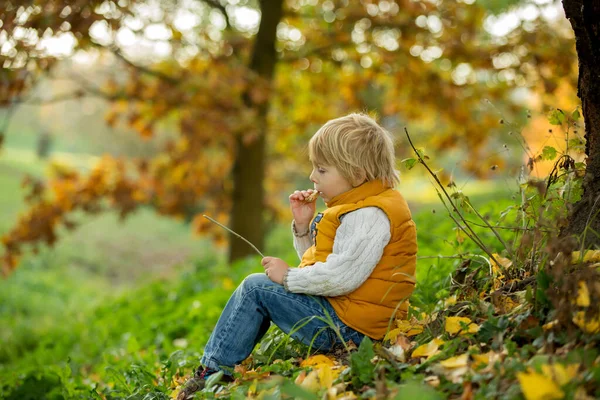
{"x": 253, "y": 281}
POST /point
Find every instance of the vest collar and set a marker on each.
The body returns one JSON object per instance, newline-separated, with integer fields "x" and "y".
{"x": 367, "y": 189}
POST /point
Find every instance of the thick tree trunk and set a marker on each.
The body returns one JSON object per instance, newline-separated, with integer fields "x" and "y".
{"x": 584, "y": 16}
{"x": 249, "y": 168}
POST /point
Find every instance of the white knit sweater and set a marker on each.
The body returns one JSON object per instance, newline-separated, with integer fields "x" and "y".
{"x": 357, "y": 248}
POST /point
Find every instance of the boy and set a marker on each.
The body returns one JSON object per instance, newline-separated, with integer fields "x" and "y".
{"x": 357, "y": 256}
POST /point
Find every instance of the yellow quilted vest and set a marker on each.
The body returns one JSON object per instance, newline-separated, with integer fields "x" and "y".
{"x": 384, "y": 295}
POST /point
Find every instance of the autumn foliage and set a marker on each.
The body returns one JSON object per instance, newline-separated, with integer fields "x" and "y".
{"x": 422, "y": 63}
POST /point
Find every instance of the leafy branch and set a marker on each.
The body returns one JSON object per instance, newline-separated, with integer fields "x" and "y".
{"x": 466, "y": 228}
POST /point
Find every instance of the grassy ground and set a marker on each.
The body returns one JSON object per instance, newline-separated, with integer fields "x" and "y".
{"x": 122, "y": 310}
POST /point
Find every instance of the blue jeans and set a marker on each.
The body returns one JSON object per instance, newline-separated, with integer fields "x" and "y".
{"x": 248, "y": 315}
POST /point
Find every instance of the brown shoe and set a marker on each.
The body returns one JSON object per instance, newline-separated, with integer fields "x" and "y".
{"x": 197, "y": 382}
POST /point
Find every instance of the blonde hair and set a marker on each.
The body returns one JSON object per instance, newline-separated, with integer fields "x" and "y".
{"x": 358, "y": 147}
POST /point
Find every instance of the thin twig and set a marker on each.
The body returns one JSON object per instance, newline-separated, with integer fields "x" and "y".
{"x": 494, "y": 231}
{"x": 471, "y": 234}
{"x": 236, "y": 234}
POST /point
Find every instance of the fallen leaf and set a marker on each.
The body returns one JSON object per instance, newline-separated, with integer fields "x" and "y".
{"x": 240, "y": 369}
{"x": 467, "y": 391}
{"x": 326, "y": 376}
{"x": 398, "y": 352}
{"x": 559, "y": 373}
{"x": 456, "y": 362}
{"x": 503, "y": 263}
{"x": 408, "y": 328}
{"x": 550, "y": 325}
{"x": 503, "y": 304}
{"x": 300, "y": 378}
{"x": 317, "y": 360}
{"x": 480, "y": 360}
{"x": 311, "y": 382}
{"x": 583, "y": 295}
{"x": 450, "y": 301}
{"x": 453, "y": 325}
{"x": 391, "y": 335}
{"x": 433, "y": 381}
{"x": 592, "y": 326}
{"x": 252, "y": 388}
{"x": 589, "y": 256}
{"x": 538, "y": 387}
{"x": 428, "y": 349}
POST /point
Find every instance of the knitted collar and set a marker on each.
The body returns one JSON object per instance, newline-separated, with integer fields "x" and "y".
{"x": 367, "y": 189}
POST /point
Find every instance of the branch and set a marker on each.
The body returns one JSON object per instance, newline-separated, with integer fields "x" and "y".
{"x": 141, "y": 68}
{"x": 320, "y": 50}
{"x": 220, "y": 7}
{"x": 38, "y": 101}
{"x": 77, "y": 94}
{"x": 471, "y": 234}
{"x": 234, "y": 233}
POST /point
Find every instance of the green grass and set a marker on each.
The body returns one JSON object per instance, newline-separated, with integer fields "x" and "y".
{"x": 119, "y": 308}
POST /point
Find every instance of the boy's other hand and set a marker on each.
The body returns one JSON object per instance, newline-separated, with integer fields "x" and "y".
{"x": 275, "y": 268}
{"x": 302, "y": 211}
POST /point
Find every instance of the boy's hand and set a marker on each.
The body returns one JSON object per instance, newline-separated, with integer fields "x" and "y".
{"x": 302, "y": 211}
{"x": 275, "y": 268}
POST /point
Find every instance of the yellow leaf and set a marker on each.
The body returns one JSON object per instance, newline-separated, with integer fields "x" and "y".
{"x": 504, "y": 304}
{"x": 318, "y": 361}
{"x": 327, "y": 376}
{"x": 588, "y": 256}
{"x": 550, "y": 325}
{"x": 252, "y": 388}
{"x": 311, "y": 382}
{"x": 583, "y": 295}
{"x": 453, "y": 325}
{"x": 456, "y": 362}
{"x": 559, "y": 373}
{"x": 450, "y": 301}
{"x": 428, "y": 349}
{"x": 393, "y": 334}
{"x": 480, "y": 360}
{"x": 592, "y": 326}
{"x": 410, "y": 328}
{"x": 503, "y": 263}
{"x": 538, "y": 387}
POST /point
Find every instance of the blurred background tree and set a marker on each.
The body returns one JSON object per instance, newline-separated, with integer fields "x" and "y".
{"x": 227, "y": 93}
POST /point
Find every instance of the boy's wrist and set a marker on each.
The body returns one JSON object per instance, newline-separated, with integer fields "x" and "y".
{"x": 299, "y": 229}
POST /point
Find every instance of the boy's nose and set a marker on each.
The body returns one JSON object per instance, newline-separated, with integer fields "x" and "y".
{"x": 311, "y": 176}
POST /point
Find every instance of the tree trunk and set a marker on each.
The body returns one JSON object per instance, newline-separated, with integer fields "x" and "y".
{"x": 584, "y": 16}
{"x": 249, "y": 168}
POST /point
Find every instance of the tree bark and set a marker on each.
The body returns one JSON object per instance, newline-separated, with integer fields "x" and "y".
{"x": 249, "y": 167}
{"x": 584, "y": 16}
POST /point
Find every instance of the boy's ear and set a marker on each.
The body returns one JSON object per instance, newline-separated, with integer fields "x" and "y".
{"x": 362, "y": 177}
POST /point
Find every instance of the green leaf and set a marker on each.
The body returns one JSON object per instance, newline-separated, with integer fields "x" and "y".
{"x": 297, "y": 392}
{"x": 409, "y": 163}
{"x": 548, "y": 153}
{"x": 556, "y": 117}
{"x": 214, "y": 379}
{"x": 576, "y": 115}
{"x": 421, "y": 153}
{"x": 362, "y": 368}
{"x": 575, "y": 144}
{"x": 415, "y": 390}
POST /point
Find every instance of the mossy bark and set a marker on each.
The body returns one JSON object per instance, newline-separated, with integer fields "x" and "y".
{"x": 584, "y": 15}
{"x": 249, "y": 167}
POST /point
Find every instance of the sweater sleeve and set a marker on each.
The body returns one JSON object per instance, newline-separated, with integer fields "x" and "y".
{"x": 357, "y": 248}
{"x": 301, "y": 244}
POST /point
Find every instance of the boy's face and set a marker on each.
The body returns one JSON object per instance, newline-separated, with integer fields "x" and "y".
{"x": 329, "y": 181}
